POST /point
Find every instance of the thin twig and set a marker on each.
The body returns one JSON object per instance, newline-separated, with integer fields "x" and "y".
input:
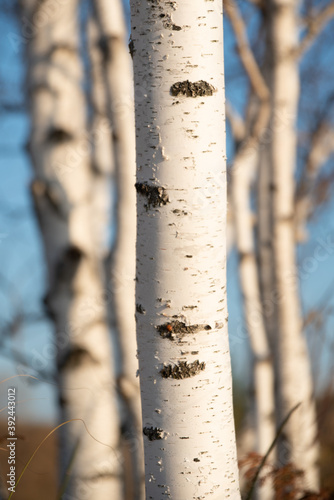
{"x": 237, "y": 123}
{"x": 315, "y": 25}
{"x": 321, "y": 149}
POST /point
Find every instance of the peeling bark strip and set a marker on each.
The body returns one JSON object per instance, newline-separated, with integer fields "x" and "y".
{"x": 178, "y": 329}
{"x": 182, "y": 370}
{"x": 153, "y": 433}
{"x": 192, "y": 89}
{"x": 156, "y": 195}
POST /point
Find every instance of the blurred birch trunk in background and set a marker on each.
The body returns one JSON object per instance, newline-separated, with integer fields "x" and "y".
{"x": 64, "y": 201}
{"x": 293, "y": 370}
{"x": 268, "y": 139}
{"x": 245, "y": 170}
{"x": 118, "y": 77}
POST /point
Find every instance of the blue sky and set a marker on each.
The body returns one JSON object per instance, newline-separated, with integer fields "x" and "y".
{"x": 22, "y": 273}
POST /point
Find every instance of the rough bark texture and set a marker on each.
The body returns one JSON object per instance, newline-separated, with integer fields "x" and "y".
{"x": 185, "y": 373}
{"x": 292, "y": 363}
{"x": 120, "y": 106}
{"x": 64, "y": 203}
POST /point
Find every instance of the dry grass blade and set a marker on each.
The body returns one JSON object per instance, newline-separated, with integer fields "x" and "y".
{"x": 45, "y": 439}
{"x": 263, "y": 461}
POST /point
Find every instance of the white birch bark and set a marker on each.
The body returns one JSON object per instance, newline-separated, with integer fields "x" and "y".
{"x": 102, "y": 156}
{"x": 185, "y": 375}
{"x": 119, "y": 80}
{"x": 265, "y": 244}
{"x": 244, "y": 168}
{"x": 62, "y": 194}
{"x": 293, "y": 367}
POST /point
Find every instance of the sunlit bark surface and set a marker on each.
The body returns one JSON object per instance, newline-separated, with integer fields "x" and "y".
{"x": 183, "y": 347}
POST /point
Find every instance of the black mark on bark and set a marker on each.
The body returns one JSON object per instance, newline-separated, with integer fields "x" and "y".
{"x": 75, "y": 357}
{"x": 52, "y": 192}
{"x": 156, "y": 195}
{"x": 179, "y": 212}
{"x": 177, "y": 329}
{"x": 168, "y": 23}
{"x": 104, "y": 48}
{"x": 131, "y": 47}
{"x": 68, "y": 264}
{"x": 244, "y": 256}
{"x": 153, "y": 433}
{"x": 105, "y": 44}
{"x": 182, "y": 370}
{"x": 47, "y": 302}
{"x": 140, "y": 309}
{"x": 192, "y": 89}
{"x": 62, "y": 401}
{"x": 58, "y": 135}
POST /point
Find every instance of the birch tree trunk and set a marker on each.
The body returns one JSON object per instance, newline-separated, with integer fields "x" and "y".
{"x": 185, "y": 375}
{"x": 120, "y": 106}
{"x": 293, "y": 367}
{"x": 248, "y": 136}
{"x": 102, "y": 155}
{"x": 62, "y": 193}
{"x": 244, "y": 168}
{"x": 265, "y": 245}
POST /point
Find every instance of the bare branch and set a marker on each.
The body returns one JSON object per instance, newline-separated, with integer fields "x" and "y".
{"x": 315, "y": 25}
{"x": 237, "y": 123}
{"x": 258, "y": 84}
{"x": 246, "y": 54}
{"x": 322, "y": 147}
